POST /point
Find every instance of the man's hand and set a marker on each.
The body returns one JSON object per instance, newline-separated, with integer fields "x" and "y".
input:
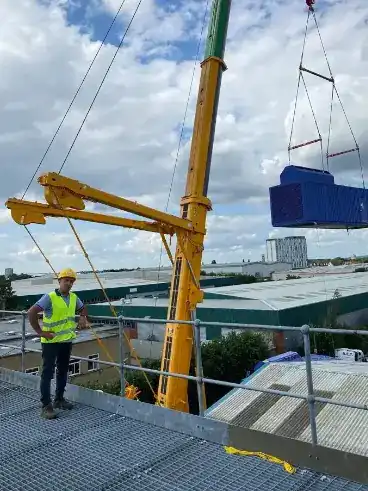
{"x": 83, "y": 323}
{"x": 47, "y": 334}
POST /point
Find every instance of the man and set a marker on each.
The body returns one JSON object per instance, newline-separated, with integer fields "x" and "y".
{"x": 57, "y": 333}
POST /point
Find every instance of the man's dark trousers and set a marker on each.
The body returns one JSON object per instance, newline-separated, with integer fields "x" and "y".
{"x": 54, "y": 354}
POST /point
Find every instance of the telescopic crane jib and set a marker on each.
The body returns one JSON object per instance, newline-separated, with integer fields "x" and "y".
{"x": 66, "y": 197}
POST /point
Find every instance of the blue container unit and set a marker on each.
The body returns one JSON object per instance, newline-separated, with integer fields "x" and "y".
{"x": 309, "y": 198}
{"x": 290, "y": 356}
{"x": 283, "y": 357}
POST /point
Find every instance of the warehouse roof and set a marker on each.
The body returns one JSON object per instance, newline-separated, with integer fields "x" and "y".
{"x": 38, "y": 286}
{"x": 117, "y": 287}
{"x": 208, "y": 303}
{"x": 245, "y": 264}
{"x": 107, "y": 443}
{"x": 328, "y": 270}
{"x": 292, "y": 293}
{"x": 338, "y": 427}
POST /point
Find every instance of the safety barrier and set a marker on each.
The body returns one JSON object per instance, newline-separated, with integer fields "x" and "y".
{"x": 200, "y": 379}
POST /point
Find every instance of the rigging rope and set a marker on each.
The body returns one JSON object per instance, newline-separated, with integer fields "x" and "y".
{"x": 334, "y": 90}
{"x": 113, "y": 311}
{"x": 298, "y": 84}
{"x": 100, "y": 86}
{"x": 182, "y": 130}
{"x": 39, "y": 248}
{"x": 74, "y": 98}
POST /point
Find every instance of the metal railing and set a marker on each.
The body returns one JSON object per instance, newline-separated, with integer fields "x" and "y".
{"x": 200, "y": 379}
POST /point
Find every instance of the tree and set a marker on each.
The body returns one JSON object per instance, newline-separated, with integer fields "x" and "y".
{"x": 8, "y": 299}
{"x": 326, "y": 343}
{"x": 292, "y": 277}
{"x": 337, "y": 261}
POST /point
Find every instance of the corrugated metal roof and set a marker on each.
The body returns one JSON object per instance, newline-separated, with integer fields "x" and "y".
{"x": 338, "y": 427}
{"x": 293, "y": 293}
{"x": 30, "y": 287}
{"x": 225, "y": 303}
{"x": 94, "y": 449}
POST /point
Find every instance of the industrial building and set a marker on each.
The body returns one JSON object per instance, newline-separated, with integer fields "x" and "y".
{"x": 117, "y": 286}
{"x": 124, "y": 293}
{"x": 312, "y": 300}
{"x": 340, "y": 428}
{"x": 291, "y": 249}
{"x": 8, "y": 272}
{"x": 259, "y": 269}
{"x": 308, "y": 300}
{"x": 287, "y": 302}
{"x": 30, "y": 290}
{"x": 327, "y": 270}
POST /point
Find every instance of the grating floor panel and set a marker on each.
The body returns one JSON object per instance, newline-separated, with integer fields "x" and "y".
{"x": 94, "y": 450}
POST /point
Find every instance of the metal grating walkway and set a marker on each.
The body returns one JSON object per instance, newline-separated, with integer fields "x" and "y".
{"x": 95, "y": 450}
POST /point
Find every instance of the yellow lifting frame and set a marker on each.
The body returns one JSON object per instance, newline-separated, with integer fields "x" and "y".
{"x": 61, "y": 191}
{"x": 27, "y": 212}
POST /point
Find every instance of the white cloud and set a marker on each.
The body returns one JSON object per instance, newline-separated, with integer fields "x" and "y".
{"x": 129, "y": 142}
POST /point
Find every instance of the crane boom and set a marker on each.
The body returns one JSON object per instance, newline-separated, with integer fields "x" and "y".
{"x": 185, "y": 293}
{"x": 65, "y": 197}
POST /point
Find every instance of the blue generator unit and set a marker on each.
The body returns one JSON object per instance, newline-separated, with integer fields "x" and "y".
{"x": 309, "y": 198}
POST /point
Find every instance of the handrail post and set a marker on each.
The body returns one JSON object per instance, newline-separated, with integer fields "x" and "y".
{"x": 199, "y": 365}
{"x": 121, "y": 358}
{"x": 23, "y": 347}
{"x": 311, "y": 397}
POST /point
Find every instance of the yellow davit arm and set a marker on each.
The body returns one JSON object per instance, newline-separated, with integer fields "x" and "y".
{"x": 66, "y": 196}
{"x": 27, "y": 212}
{"x": 70, "y": 193}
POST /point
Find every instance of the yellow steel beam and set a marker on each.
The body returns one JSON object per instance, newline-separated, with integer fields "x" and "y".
{"x": 27, "y": 212}
{"x": 167, "y": 248}
{"x": 70, "y": 193}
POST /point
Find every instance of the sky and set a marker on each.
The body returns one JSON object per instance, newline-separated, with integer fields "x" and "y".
{"x": 129, "y": 143}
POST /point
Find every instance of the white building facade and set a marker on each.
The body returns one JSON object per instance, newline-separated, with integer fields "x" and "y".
{"x": 258, "y": 269}
{"x": 291, "y": 249}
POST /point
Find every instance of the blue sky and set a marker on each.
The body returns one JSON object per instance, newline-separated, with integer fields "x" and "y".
{"x": 94, "y": 19}
{"x": 94, "y": 22}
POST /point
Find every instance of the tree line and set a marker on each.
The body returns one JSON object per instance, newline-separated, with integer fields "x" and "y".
{"x": 8, "y": 299}
{"x": 326, "y": 343}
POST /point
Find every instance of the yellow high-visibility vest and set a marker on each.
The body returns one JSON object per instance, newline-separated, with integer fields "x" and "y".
{"x": 62, "y": 321}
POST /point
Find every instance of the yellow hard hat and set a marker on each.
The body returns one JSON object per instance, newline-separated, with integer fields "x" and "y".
{"x": 67, "y": 273}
